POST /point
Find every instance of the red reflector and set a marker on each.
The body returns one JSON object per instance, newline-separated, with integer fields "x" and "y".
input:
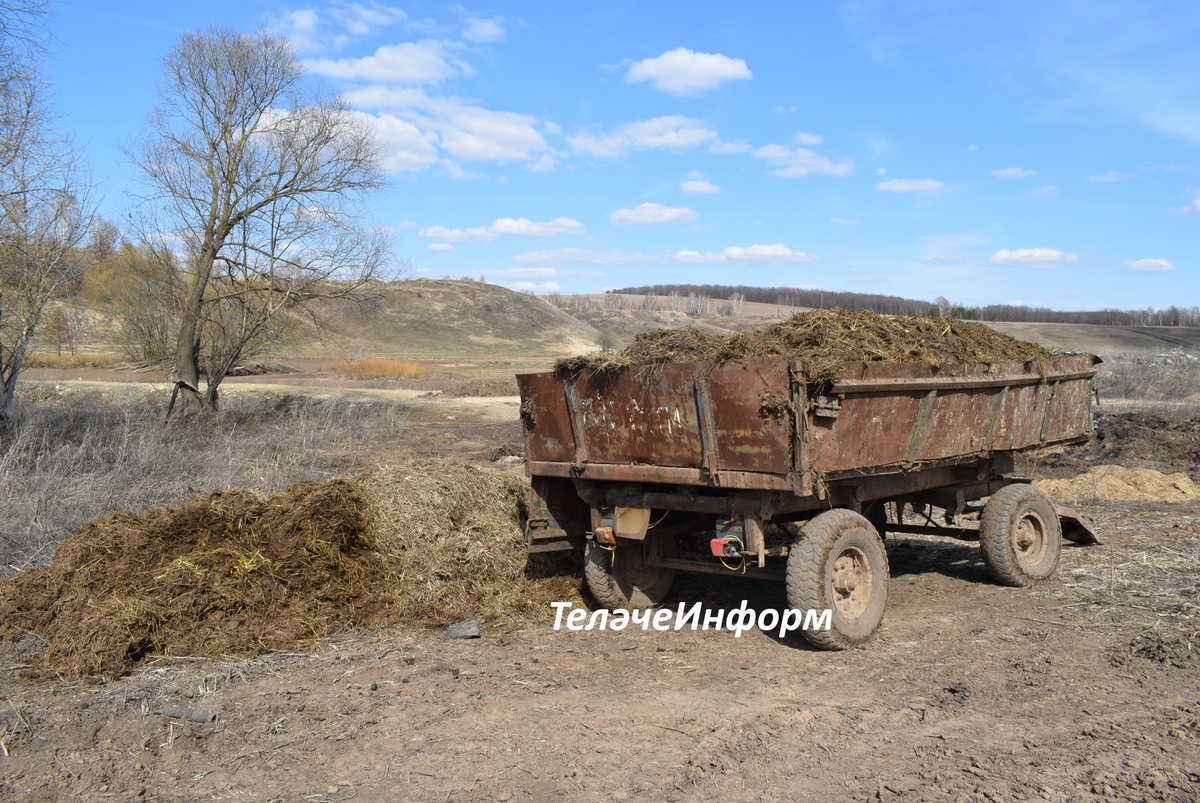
{"x": 718, "y": 547}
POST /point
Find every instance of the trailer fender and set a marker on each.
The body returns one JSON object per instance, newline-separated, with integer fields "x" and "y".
{"x": 1075, "y": 526}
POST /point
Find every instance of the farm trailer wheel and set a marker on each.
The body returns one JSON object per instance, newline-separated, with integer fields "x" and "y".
{"x": 838, "y": 563}
{"x": 1020, "y": 536}
{"x": 624, "y": 578}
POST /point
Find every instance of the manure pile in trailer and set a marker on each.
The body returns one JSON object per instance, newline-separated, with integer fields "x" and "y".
{"x": 822, "y": 341}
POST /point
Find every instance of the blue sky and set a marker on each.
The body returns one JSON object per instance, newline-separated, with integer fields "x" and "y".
{"x": 1045, "y": 153}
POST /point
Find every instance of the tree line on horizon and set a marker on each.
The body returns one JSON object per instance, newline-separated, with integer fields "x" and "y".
{"x": 897, "y": 305}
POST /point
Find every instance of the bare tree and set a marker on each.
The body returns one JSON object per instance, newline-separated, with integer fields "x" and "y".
{"x": 737, "y": 301}
{"x": 650, "y": 303}
{"x": 43, "y": 200}
{"x": 255, "y": 183}
{"x": 698, "y": 305}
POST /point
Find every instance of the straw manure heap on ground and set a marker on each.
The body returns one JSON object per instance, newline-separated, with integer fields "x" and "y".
{"x": 239, "y": 573}
{"x": 1128, "y": 484}
{"x": 822, "y": 340}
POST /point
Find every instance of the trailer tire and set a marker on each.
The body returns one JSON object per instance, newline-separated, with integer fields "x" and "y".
{"x": 622, "y": 579}
{"x": 1020, "y": 536}
{"x": 838, "y": 563}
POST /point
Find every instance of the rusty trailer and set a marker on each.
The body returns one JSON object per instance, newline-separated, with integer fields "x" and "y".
{"x": 741, "y": 466}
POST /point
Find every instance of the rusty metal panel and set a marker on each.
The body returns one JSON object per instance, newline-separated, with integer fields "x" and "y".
{"x": 881, "y": 414}
{"x": 956, "y": 425}
{"x": 733, "y": 425}
{"x": 667, "y": 475}
{"x": 546, "y": 419}
{"x": 871, "y": 429}
{"x": 751, "y": 413}
{"x": 1020, "y": 418}
{"x": 640, "y": 417}
{"x": 1070, "y": 411}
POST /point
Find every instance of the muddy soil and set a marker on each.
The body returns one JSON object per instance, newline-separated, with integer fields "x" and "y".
{"x": 1145, "y": 440}
{"x": 1084, "y": 689}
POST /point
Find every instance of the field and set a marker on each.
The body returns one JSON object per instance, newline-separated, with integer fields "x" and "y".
{"x": 1083, "y": 689}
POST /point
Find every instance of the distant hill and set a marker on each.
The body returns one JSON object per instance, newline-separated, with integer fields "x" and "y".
{"x": 450, "y": 318}
{"x": 1100, "y": 339}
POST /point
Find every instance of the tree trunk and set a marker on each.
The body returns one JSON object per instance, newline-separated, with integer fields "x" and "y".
{"x": 9, "y": 372}
{"x": 187, "y": 347}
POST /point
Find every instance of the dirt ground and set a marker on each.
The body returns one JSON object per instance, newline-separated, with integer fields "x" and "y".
{"x": 1087, "y": 688}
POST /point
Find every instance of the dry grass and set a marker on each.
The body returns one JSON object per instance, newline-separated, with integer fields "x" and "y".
{"x": 74, "y": 455}
{"x": 1137, "y": 580}
{"x": 379, "y": 368}
{"x": 83, "y": 359}
{"x": 1173, "y": 376}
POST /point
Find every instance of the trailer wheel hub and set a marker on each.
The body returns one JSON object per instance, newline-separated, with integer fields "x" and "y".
{"x": 852, "y": 580}
{"x": 1030, "y": 539}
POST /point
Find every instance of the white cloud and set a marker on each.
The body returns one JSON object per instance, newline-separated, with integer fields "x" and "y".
{"x": 881, "y": 171}
{"x": 1149, "y": 265}
{"x": 1046, "y": 191}
{"x": 1010, "y": 173}
{"x": 698, "y": 187}
{"x": 545, "y": 287}
{"x": 461, "y": 130}
{"x": 543, "y": 164}
{"x": 777, "y": 254}
{"x": 601, "y": 256}
{"x": 650, "y": 214}
{"x": 425, "y": 62}
{"x": 800, "y": 162}
{"x": 313, "y": 31}
{"x": 808, "y": 139}
{"x": 737, "y": 146}
{"x": 1189, "y": 209}
{"x": 300, "y": 27}
{"x": 440, "y": 247}
{"x": 406, "y": 147}
{"x": 1032, "y": 257}
{"x": 478, "y": 234}
{"x": 674, "y": 131}
{"x": 909, "y": 185}
{"x": 475, "y": 134}
{"x": 479, "y": 29}
{"x": 529, "y": 273}
{"x": 844, "y": 221}
{"x": 1111, "y": 176}
{"x": 686, "y": 72}
{"x": 515, "y": 227}
{"x": 520, "y": 227}
{"x": 361, "y": 19}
